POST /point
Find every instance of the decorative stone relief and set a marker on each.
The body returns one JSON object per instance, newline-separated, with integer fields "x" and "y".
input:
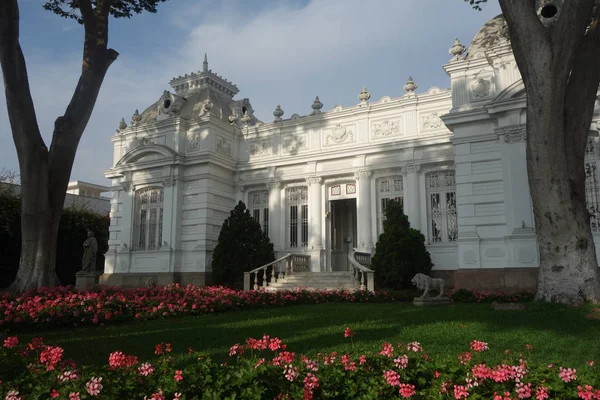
{"x": 362, "y": 174}
{"x": 193, "y": 142}
{"x": 168, "y": 181}
{"x": 260, "y": 148}
{"x": 513, "y": 133}
{"x": 431, "y": 121}
{"x": 313, "y": 180}
{"x": 411, "y": 168}
{"x": 223, "y": 145}
{"x": 170, "y": 104}
{"x": 481, "y": 88}
{"x": 339, "y": 134}
{"x": 387, "y": 128}
{"x": 273, "y": 185}
{"x": 294, "y": 143}
{"x": 127, "y": 186}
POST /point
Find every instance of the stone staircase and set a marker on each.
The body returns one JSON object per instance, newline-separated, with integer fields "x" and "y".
{"x": 314, "y": 281}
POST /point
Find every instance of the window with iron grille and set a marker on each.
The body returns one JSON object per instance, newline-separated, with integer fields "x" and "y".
{"x": 259, "y": 208}
{"x": 297, "y": 217}
{"x": 388, "y": 188}
{"x": 441, "y": 207}
{"x": 592, "y": 189}
{"x": 149, "y": 219}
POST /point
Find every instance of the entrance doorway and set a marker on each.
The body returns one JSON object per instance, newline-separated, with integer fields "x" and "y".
{"x": 342, "y": 232}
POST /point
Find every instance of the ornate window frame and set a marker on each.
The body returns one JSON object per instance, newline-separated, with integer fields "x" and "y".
{"x": 442, "y": 219}
{"x": 297, "y": 216}
{"x": 148, "y": 218}
{"x": 258, "y": 204}
{"x": 592, "y": 187}
{"x": 389, "y": 187}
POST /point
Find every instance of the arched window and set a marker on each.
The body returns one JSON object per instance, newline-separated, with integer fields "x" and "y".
{"x": 297, "y": 216}
{"x": 149, "y": 219}
{"x": 259, "y": 208}
{"x": 592, "y": 189}
{"x": 441, "y": 207}
{"x": 388, "y": 188}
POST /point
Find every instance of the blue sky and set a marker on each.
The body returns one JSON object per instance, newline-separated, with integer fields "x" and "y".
{"x": 276, "y": 51}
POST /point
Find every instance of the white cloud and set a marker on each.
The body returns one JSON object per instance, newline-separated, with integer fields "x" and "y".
{"x": 281, "y": 53}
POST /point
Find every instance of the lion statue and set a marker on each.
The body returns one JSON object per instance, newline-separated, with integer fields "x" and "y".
{"x": 424, "y": 282}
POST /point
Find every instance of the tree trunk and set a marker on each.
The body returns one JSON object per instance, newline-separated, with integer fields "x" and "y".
{"x": 558, "y": 63}
{"x": 45, "y": 173}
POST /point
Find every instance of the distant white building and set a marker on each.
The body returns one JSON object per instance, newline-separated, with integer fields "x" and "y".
{"x": 82, "y": 195}
{"x": 319, "y": 183}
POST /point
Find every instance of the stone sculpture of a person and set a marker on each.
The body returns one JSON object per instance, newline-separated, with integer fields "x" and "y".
{"x": 90, "y": 248}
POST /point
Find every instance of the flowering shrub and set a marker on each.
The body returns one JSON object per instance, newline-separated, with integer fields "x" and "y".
{"x": 475, "y": 296}
{"x": 264, "y": 368}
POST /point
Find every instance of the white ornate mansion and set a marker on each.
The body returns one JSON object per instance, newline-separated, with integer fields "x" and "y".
{"x": 319, "y": 183}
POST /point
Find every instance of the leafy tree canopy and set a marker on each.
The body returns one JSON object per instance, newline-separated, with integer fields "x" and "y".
{"x": 117, "y": 8}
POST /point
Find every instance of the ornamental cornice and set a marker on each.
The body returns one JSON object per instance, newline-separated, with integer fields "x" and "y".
{"x": 427, "y": 168}
{"x": 512, "y": 133}
{"x": 383, "y": 173}
{"x": 168, "y": 181}
{"x": 313, "y": 180}
{"x": 339, "y": 179}
{"x": 362, "y": 174}
{"x": 294, "y": 184}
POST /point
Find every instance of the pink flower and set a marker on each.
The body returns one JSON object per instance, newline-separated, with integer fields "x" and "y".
{"x": 67, "y": 376}
{"x": 407, "y": 390}
{"x": 54, "y": 394}
{"x": 260, "y": 362}
{"x": 94, "y": 386}
{"x": 401, "y": 362}
{"x": 542, "y": 393}
{"x": 523, "y": 390}
{"x": 465, "y": 358}
{"x": 460, "y": 392}
{"x": 478, "y": 346}
{"x": 290, "y": 372}
{"x": 387, "y": 350}
{"x": 505, "y": 396}
{"x": 414, "y": 346}
{"x": 74, "y": 396}
{"x": 178, "y": 375}
{"x": 13, "y": 395}
{"x": 177, "y": 396}
{"x": 11, "y": 341}
{"x": 348, "y": 332}
{"x": 590, "y": 363}
{"x": 362, "y": 359}
{"x": 392, "y": 377}
{"x": 236, "y": 349}
{"x": 146, "y": 369}
{"x": 567, "y": 374}
{"x": 588, "y": 394}
{"x": 311, "y": 382}
{"x": 51, "y": 356}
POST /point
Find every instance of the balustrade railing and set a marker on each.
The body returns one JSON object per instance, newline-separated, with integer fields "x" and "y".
{"x": 359, "y": 271}
{"x": 275, "y": 270}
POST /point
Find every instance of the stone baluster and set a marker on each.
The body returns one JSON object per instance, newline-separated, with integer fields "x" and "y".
{"x": 255, "y": 281}
{"x": 265, "y": 281}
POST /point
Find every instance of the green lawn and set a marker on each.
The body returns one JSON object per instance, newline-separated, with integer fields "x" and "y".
{"x": 557, "y": 334}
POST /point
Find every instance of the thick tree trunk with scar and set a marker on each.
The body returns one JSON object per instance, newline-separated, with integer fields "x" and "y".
{"x": 559, "y": 65}
{"x": 45, "y": 172}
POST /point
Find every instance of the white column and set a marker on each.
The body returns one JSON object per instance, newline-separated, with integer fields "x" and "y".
{"x": 363, "y": 179}
{"x": 127, "y": 212}
{"x": 240, "y": 194}
{"x": 169, "y": 213}
{"x": 412, "y": 195}
{"x": 275, "y": 215}
{"x": 315, "y": 214}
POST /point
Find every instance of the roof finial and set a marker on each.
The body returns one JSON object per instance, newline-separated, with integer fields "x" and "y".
{"x": 205, "y": 63}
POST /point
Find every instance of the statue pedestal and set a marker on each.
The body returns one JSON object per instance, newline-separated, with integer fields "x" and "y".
{"x": 86, "y": 280}
{"x": 431, "y": 301}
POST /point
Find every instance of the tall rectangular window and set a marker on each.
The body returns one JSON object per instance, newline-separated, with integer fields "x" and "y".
{"x": 149, "y": 219}
{"x": 388, "y": 188}
{"x": 441, "y": 207}
{"x": 297, "y": 217}
{"x": 259, "y": 208}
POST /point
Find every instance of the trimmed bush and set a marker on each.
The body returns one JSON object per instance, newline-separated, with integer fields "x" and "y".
{"x": 242, "y": 247}
{"x": 74, "y": 223}
{"x": 400, "y": 252}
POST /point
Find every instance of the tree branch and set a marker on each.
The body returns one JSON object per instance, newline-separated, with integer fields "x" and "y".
{"x": 21, "y": 111}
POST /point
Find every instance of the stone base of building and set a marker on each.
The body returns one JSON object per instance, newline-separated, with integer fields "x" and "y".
{"x": 85, "y": 280}
{"x": 505, "y": 279}
{"x": 133, "y": 280}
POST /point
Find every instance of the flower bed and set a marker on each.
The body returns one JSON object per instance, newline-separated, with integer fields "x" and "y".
{"x": 67, "y": 306}
{"x": 266, "y": 369}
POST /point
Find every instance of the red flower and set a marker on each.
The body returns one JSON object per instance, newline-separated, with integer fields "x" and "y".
{"x": 348, "y": 332}
{"x": 11, "y": 341}
{"x": 178, "y": 375}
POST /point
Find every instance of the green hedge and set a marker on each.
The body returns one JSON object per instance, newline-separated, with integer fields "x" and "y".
{"x": 72, "y": 233}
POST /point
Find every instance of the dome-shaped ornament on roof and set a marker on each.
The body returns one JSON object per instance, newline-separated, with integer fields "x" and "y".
{"x": 246, "y": 118}
{"x": 457, "y": 49}
{"x": 364, "y": 96}
{"x": 278, "y": 113}
{"x": 410, "y": 86}
{"x": 122, "y": 125}
{"x": 316, "y": 106}
{"x": 136, "y": 118}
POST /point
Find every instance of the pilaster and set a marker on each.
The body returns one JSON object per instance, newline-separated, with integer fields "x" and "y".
{"x": 240, "y": 194}
{"x": 315, "y": 213}
{"x": 365, "y": 242}
{"x": 275, "y": 214}
{"x": 412, "y": 195}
